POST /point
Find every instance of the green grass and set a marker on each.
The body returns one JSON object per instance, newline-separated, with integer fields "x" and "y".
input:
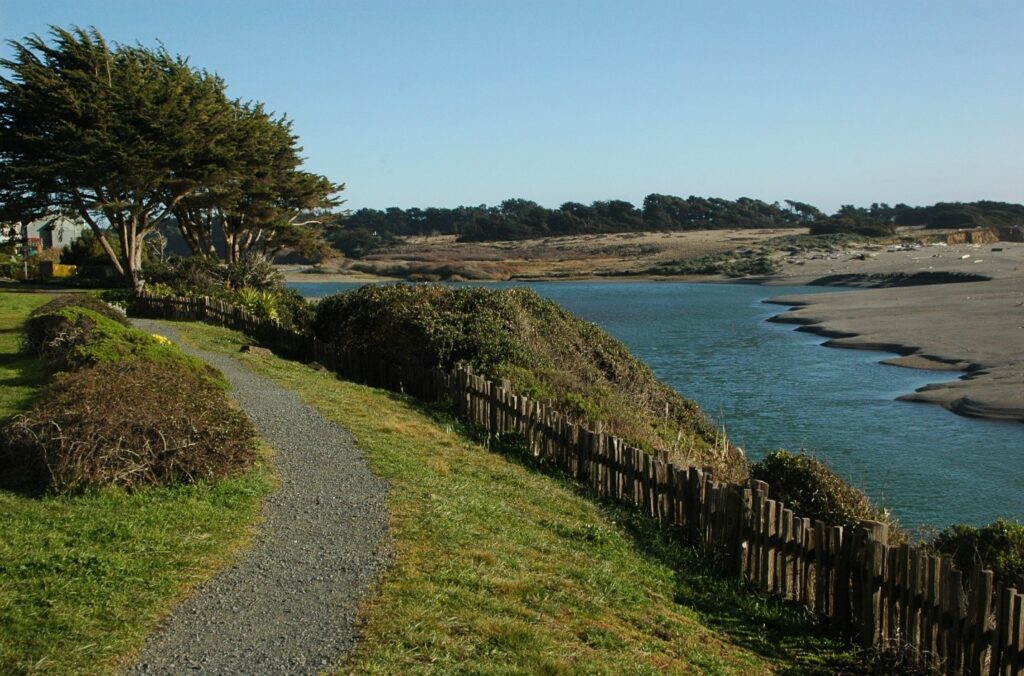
{"x": 503, "y": 567}
{"x": 21, "y": 376}
{"x": 84, "y": 579}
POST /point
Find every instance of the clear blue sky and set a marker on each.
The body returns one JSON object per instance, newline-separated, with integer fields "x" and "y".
{"x": 448, "y": 103}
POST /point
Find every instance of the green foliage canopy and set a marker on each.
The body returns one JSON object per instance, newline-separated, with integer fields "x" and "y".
{"x": 116, "y": 135}
{"x": 126, "y": 136}
{"x": 261, "y": 200}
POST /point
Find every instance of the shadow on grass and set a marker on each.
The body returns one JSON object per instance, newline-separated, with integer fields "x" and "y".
{"x": 768, "y": 627}
{"x": 20, "y": 478}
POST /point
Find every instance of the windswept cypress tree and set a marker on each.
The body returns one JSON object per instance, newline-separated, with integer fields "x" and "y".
{"x": 261, "y": 200}
{"x": 125, "y": 137}
{"x": 118, "y": 136}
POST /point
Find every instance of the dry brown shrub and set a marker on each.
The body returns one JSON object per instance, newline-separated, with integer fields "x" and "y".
{"x": 131, "y": 424}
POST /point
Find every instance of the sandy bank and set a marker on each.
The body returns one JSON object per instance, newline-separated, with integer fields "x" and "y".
{"x": 975, "y": 327}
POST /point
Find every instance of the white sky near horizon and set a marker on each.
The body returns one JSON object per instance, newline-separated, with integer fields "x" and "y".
{"x": 422, "y": 103}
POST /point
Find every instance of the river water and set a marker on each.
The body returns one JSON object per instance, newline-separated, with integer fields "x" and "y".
{"x": 773, "y": 387}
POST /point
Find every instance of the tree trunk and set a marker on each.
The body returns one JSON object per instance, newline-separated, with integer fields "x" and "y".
{"x": 131, "y": 246}
{"x": 101, "y": 237}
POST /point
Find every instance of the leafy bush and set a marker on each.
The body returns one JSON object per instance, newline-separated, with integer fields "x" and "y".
{"x": 252, "y": 283}
{"x": 131, "y": 424}
{"x": 87, "y": 250}
{"x": 812, "y": 490}
{"x": 13, "y": 265}
{"x": 262, "y": 304}
{"x": 294, "y": 309}
{"x": 252, "y": 272}
{"x": 544, "y": 350}
{"x": 999, "y": 546}
{"x": 189, "y": 276}
{"x": 76, "y": 337}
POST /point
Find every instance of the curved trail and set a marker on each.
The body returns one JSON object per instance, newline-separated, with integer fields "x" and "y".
{"x": 290, "y": 605}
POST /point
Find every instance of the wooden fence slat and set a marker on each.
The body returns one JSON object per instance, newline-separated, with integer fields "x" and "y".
{"x": 746, "y": 532}
{"x": 778, "y": 546}
{"x": 760, "y": 496}
{"x": 979, "y": 609}
{"x": 955, "y": 642}
{"x": 679, "y": 496}
{"x": 900, "y": 633}
{"x": 786, "y": 551}
{"x": 1001, "y": 639}
{"x": 943, "y": 622}
{"x": 638, "y": 478}
{"x": 872, "y": 538}
{"x": 895, "y": 583}
{"x": 734, "y": 516}
{"x": 841, "y": 584}
{"x": 1017, "y": 642}
{"x": 661, "y": 476}
{"x": 619, "y": 470}
{"x": 796, "y": 542}
{"x": 768, "y": 546}
{"x": 650, "y": 486}
{"x": 705, "y": 511}
{"x": 807, "y": 561}
{"x": 822, "y": 548}
{"x": 934, "y": 584}
{"x": 694, "y": 483}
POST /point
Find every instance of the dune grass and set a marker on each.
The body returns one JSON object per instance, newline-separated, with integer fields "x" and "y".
{"x": 84, "y": 578}
{"x": 504, "y": 567}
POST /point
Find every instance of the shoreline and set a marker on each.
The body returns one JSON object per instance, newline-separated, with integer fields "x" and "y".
{"x": 991, "y": 382}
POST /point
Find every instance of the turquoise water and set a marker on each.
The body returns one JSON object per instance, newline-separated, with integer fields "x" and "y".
{"x": 774, "y": 387}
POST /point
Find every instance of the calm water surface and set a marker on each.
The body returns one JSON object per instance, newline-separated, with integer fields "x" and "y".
{"x": 773, "y": 387}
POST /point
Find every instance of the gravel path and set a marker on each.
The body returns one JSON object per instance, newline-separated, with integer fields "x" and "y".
{"x": 290, "y": 605}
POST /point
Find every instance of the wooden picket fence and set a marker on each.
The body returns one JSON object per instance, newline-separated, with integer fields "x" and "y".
{"x": 885, "y": 596}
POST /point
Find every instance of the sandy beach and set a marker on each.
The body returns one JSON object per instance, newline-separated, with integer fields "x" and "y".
{"x": 974, "y": 327}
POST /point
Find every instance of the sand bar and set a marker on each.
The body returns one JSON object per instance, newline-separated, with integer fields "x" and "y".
{"x": 975, "y": 327}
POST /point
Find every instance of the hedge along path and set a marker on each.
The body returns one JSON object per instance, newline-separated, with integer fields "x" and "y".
{"x": 290, "y": 605}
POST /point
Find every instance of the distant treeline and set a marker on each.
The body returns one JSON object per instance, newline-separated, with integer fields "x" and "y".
{"x": 368, "y": 229}
{"x": 882, "y": 219}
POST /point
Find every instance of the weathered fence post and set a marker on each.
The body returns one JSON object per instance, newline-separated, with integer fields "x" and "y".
{"x": 874, "y": 537}
{"x": 756, "y": 541}
{"x": 1002, "y": 636}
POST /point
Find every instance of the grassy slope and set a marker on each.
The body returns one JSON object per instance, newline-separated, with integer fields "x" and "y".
{"x": 501, "y": 568}
{"x": 547, "y": 353}
{"x": 83, "y": 579}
